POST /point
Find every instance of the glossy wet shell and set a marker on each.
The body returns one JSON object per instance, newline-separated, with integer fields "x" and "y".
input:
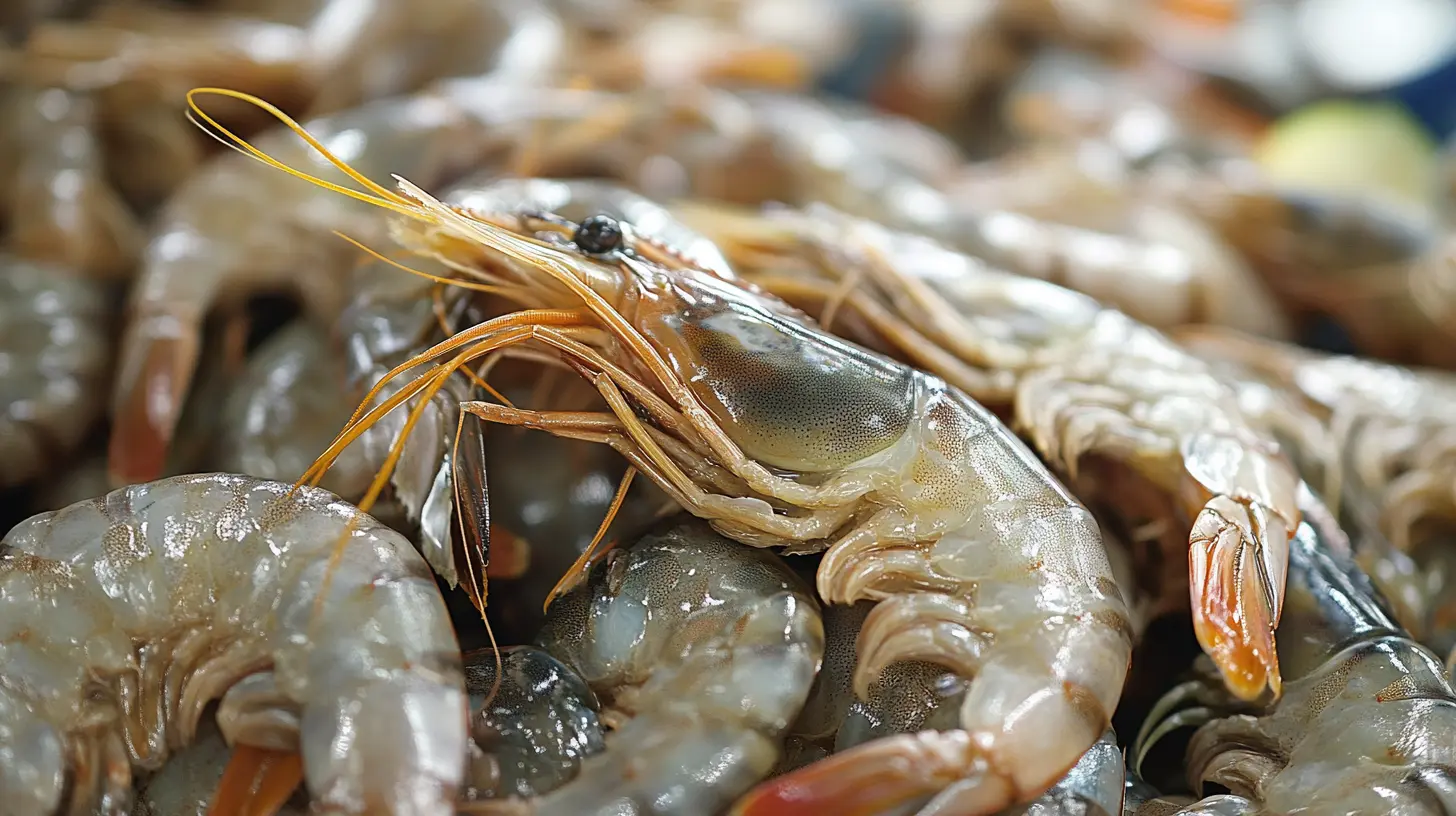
{"x": 707, "y": 648}
{"x": 790, "y": 397}
{"x": 909, "y": 695}
{"x": 538, "y": 727}
{"x": 189, "y": 585}
{"x": 646, "y": 602}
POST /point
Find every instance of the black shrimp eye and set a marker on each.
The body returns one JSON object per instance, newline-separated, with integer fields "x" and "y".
{"x": 598, "y": 234}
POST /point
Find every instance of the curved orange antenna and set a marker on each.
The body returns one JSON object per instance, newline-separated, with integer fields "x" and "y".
{"x": 364, "y": 417}
{"x": 382, "y": 197}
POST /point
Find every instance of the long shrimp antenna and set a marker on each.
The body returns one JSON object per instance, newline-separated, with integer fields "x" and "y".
{"x": 382, "y": 197}
{"x": 474, "y": 286}
{"x": 419, "y": 205}
{"x": 574, "y": 573}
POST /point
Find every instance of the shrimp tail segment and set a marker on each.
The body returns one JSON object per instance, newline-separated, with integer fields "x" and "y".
{"x": 148, "y": 410}
{"x": 257, "y": 782}
{"x": 872, "y": 778}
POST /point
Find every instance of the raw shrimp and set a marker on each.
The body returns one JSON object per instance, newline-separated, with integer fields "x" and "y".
{"x": 1134, "y": 252}
{"x": 235, "y": 229}
{"x": 299, "y": 386}
{"x": 53, "y": 360}
{"x": 1366, "y": 720}
{"x": 322, "y": 55}
{"x": 981, "y": 561}
{"x": 703, "y": 651}
{"x": 124, "y": 616}
{"x": 1167, "y": 269}
{"x": 1103, "y": 398}
{"x": 62, "y": 208}
{"x": 1391, "y": 431}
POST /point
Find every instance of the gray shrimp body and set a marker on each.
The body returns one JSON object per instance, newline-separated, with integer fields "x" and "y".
{"x": 704, "y": 651}
{"x": 123, "y": 617}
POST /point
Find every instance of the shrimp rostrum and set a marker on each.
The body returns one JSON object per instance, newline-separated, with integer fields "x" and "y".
{"x": 781, "y": 435}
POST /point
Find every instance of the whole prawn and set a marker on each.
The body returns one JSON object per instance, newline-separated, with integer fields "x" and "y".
{"x": 979, "y": 559}
{"x": 126, "y": 615}
{"x": 1042, "y": 214}
{"x": 1103, "y": 398}
{"x": 1365, "y": 722}
{"x": 298, "y": 387}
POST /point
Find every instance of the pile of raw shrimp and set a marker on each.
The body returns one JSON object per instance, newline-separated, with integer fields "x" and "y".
{"x": 793, "y": 407}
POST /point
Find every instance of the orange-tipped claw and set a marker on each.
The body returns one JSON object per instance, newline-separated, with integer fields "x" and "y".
{"x": 257, "y": 782}
{"x": 1237, "y": 570}
{"x": 147, "y": 413}
{"x": 874, "y": 778}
